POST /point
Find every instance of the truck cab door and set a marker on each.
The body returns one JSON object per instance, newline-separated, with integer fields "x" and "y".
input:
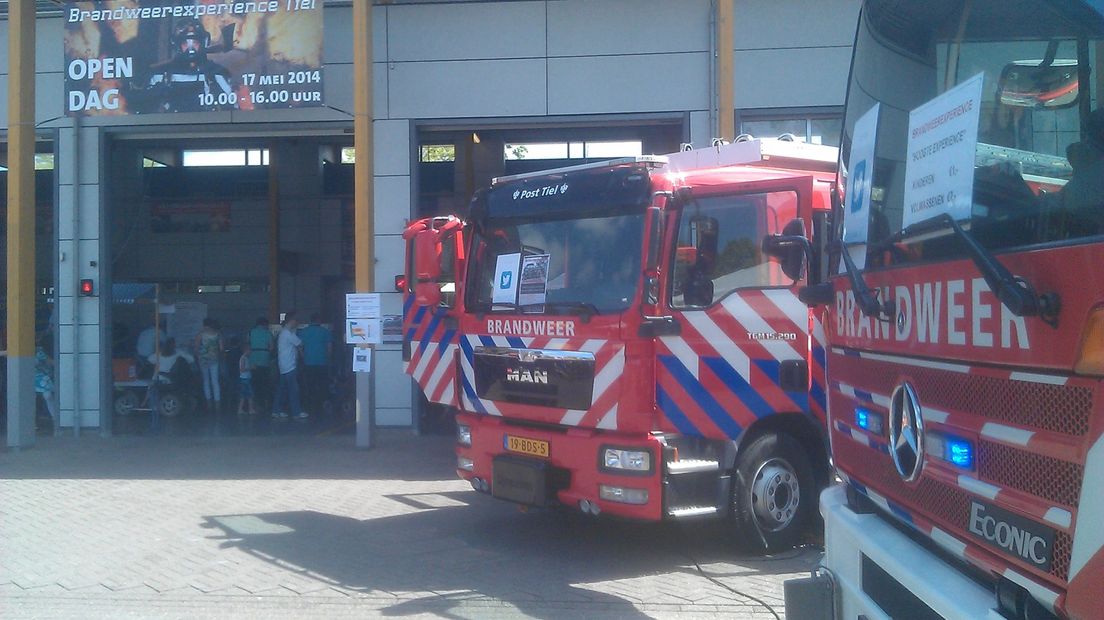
{"x": 742, "y": 351}
{"x": 434, "y": 267}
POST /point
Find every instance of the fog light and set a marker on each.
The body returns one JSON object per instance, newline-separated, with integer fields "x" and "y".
{"x": 628, "y": 460}
{"x": 464, "y": 463}
{"x": 463, "y": 435}
{"x": 623, "y": 495}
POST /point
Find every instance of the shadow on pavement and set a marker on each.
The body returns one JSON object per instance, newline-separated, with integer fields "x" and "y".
{"x": 452, "y": 552}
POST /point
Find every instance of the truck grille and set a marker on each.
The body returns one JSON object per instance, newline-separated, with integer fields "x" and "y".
{"x": 1041, "y": 476}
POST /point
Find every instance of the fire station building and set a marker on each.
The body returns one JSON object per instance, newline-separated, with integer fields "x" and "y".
{"x": 177, "y": 181}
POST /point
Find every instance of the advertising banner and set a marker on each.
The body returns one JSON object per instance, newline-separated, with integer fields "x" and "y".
{"x": 149, "y": 56}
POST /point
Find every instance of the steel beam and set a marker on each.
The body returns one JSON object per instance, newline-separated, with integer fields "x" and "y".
{"x": 363, "y": 205}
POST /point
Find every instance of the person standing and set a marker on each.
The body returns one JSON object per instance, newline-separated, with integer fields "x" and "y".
{"x": 261, "y": 343}
{"x": 208, "y": 347}
{"x": 44, "y": 377}
{"x": 316, "y": 361}
{"x": 245, "y": 382}
{"x": 288, "y": 345}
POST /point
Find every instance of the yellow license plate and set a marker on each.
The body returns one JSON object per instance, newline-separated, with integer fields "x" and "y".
{"x": 524, "y": 445}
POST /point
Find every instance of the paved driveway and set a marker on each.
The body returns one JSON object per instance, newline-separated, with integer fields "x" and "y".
{"x": 305, "y": 526}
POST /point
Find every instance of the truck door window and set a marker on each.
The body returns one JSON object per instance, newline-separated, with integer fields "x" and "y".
{"x": 719, "y": 246}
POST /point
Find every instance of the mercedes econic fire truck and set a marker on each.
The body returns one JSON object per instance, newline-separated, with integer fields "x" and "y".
{"x": 625, "y": 337}
{"x": 966, "y": 321}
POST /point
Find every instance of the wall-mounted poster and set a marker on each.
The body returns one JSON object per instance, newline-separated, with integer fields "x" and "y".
{"x": 148, "y": 56}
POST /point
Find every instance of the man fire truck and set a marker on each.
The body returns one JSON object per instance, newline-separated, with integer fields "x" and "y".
{"x": 966, "y": 323}
{"x": 625, "y": 337}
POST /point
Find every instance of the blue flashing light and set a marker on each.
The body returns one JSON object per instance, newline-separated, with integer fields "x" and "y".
{"x": 960, "y": 452}
{"x": 868, "y": 420}
{"x": 862, "y": 418}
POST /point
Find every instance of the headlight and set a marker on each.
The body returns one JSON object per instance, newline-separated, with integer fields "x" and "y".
{"x": 463, "y": 435}
{"x": 627, "y": 460}
{"x": 623, "y": 495}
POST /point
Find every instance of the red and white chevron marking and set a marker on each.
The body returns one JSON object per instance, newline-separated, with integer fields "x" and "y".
{"x": 434, "y": 371}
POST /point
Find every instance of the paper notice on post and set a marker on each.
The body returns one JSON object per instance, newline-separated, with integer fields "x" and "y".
{"x": 362, "y": 305}
{"x": 942, "y": 142}
{"x": 860, "y": 174}
{"x": 362, "y": 360}
{"x": 533, "y": 288}
{"x": 506, "y": 279}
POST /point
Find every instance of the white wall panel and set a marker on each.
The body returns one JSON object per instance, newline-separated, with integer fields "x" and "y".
{"x": 467, "y": 88}
{"x": 390, "y": 251}
{"x": 586, "y": 27}
{"x": 392, "y": 384}
{"x": 394, "y": 417}
{"x": 701, "y": 131}
{"x": 474, "y": 30}
{"x": 391, "y": 155}
{"x": 795, "y": 23}
{"x": 337, "y": 91}
{"x": 392, "y": 198}
{"x": 791, "y": 78}
{"x": 650, "y": 83}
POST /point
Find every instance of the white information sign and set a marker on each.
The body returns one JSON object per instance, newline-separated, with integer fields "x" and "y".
{"x": 860, "y": 173}
{"x": 533, "y": 288}
{"x": 362, "y": 305}
{"x": 362, "y": 331}
{"x": 506, "y": 279}
{"x": 942, "y": 140}
{"x": 362, "y": 360}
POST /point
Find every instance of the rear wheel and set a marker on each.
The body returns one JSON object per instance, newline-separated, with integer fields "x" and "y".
{"x": 773, "y": 493}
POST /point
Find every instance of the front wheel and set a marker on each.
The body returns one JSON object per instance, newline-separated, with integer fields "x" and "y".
{"x": 773, "y": 494}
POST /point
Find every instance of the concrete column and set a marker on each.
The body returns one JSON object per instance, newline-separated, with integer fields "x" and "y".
{"x": 726, "y": 71}
{"x": 364, "y": 208}
{"x": 84, "y": 349}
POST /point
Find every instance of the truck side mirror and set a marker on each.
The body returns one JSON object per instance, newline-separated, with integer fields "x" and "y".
{"x": 427, "y": 268}
{"x": 791, "y": 248}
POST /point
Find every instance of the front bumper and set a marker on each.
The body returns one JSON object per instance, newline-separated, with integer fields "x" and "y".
{"x": 573, "y": 462}
{"x": 896, "y": 567}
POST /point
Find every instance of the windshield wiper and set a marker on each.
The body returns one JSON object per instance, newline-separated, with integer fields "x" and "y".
{"x": 1013, "y": 291}
{"x": 584, "y": 309}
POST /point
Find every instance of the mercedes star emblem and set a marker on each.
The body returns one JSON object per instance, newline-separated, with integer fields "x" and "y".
{"x": 906, "y": 432}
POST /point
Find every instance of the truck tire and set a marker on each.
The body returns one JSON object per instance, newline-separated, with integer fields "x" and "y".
{"x": 774, "y": 495}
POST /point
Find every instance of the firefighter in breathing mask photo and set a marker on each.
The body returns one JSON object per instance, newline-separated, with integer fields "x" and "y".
{"x": 190, "y": 81}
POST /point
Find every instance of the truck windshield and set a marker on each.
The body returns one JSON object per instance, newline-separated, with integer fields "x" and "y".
{"x": 1039, "y": 161}
{"x": 592, "y": 265}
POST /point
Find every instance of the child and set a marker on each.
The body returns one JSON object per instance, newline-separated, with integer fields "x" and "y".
{"x": 245, "y": 375}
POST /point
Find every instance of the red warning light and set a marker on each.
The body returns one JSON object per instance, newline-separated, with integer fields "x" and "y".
{"x": 86, "y": 287}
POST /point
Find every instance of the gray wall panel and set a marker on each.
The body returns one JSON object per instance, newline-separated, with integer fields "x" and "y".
{"x": 795, "y": 23}
{"x": 791, "y": 78}
{"x": 649, "y": 83}
{"x": 627, "y": 27}
{"x": 466, "y": 30}
{"x": 470, "y": 88}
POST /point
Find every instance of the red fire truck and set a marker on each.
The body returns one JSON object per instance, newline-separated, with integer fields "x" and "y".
{"x": 966, "y": 414}
{"x": 625, "y": 337}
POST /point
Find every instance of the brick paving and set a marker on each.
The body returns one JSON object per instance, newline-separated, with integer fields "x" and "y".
{"x": 301, "y": 526}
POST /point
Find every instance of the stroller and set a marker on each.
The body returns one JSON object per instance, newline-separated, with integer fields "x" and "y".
{"x": 175, "y": 392}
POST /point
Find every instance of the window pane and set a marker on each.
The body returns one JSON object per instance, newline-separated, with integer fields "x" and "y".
{"x": 598, "y": 150}
{"x": 575, "y": 150}
{"x": 438, "y": 152}
{"x": 825, "y": 131}
{"x": 719, "y": 246}
{"x": 214, "y": 158}
{"x": 773, "y": 128}
{"x": 536, "y": 150}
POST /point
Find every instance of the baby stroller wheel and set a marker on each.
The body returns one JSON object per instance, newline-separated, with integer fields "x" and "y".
{"x": 170, "y": 405}
{"x": 125, "y": 402}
